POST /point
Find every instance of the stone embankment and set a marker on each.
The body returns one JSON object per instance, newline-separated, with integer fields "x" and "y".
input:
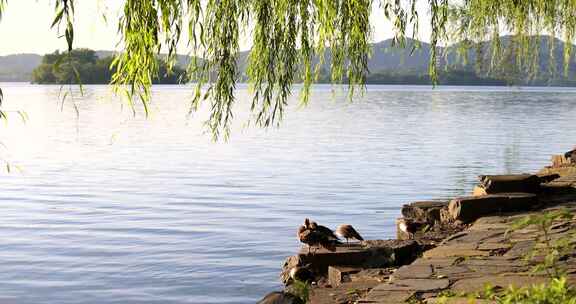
{"x": 456, "y": 246}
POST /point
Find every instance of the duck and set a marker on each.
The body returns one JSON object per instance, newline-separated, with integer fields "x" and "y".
{"x": 348, "y": 232}
{"x": 571, "y": 155}
{"x": 323, "y": 230}
{"x": 315, "y": 238}
{"x": 409, "y": 226}
{"x": 280, "y": 297}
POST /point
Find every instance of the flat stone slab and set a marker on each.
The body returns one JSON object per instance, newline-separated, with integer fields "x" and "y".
{"x": 453, "y": 251}
{"x": 346, "y": 293}
{"x": 386, "y": 297}
{"x": 520, "y": 249}
{"x": 451, "y": 272}
{"x": 447, "y": 261}
{"x": 413, "y": 272}
{"x": 420, "y": 285}
{"x": 478, "y": 284}
{"x": 474, "y": 236}
{"x": 494, "y": 246}
{"x": 490, "y": 261}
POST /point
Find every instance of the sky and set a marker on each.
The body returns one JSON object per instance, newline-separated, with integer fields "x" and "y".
{"x": 25, "y": 27}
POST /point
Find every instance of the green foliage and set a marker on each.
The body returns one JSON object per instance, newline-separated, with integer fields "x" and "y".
{"x": 556, "y": 292}
{"x": 301, "y": 290}
{"x": 551, "y": 250}
{"x": 2, "y": 4}
{"x": 83, "y": 66}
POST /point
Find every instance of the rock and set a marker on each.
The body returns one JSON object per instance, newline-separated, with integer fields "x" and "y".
{"x": 443, "y": 262}
{"x": 494, "y": 246}
{"x": 386, "y": 297}
{"x": 280, "y": 297}
{"x": 349, "y": 255}
{"x": 467, "y": 209}
{"x": 339, "y": 274}
{"x": 546, "y": 178}
{"x": 520, "y": 249}
{"x": 290, "y": 263}
{"x": 424, "y": 211}
{"x": 402, "y": 251}
{"x": 419, "y": 285}
{"x": 413, "y": 272}
{"x": 562, "y": 171}
{"x": 368, "y": 254}
{"x": 452, "y": 271}
{"x": 454, "y": 251}
{"x": 493, "y": 184}
{"x": 346, "y": 293}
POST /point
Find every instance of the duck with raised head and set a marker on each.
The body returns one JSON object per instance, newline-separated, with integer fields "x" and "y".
{"x": 348, "y": 232}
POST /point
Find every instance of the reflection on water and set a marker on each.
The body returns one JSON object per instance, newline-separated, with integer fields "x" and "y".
{"x": 112, "y": 208}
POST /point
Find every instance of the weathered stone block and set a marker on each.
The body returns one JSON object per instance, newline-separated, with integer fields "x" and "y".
{"x": 348, "y": 255}
{"x": 467, "y": 209}
{"x": 493, "y": 184}
{"x": 425, "y": 211}
{"x": 454, "y": 251}
{"x": 402, "y": 251}
{"x": 340, "y": 274}
{"x": 368, "y": 254}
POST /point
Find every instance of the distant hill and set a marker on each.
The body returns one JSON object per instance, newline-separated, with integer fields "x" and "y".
{"x": 388, "y": 64}
{"x": 18, "y": 67}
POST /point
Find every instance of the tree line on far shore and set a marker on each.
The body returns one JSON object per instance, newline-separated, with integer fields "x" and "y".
{"x": 84, "y": 66}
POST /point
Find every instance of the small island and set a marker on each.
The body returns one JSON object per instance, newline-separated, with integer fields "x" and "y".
{"x": 86, "y": 67}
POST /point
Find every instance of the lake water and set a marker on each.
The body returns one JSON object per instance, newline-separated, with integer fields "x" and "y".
{"x": 112, "y": 208}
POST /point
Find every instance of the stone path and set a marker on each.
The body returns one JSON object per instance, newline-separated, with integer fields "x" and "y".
{"x": 467, "y": 261}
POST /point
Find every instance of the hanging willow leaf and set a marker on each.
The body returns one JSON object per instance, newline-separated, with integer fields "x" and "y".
{"x": 2, "y": 7}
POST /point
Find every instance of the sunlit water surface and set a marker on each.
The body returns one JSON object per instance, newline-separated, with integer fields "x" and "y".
{"x": 112, "y": 208}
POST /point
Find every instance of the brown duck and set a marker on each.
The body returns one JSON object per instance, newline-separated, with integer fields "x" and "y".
{"x": 315, "y": 235}
{"x": 348, "y": 232}
{"x": 314, "y": 238}
{"x": 323, "y": 230}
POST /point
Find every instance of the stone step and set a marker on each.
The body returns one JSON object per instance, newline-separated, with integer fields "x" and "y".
{"x": 468, "y": 209}
{"x": 425, "y": 211}
{"x": 368, "y": 254}
{"x": 508, "y": 183}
